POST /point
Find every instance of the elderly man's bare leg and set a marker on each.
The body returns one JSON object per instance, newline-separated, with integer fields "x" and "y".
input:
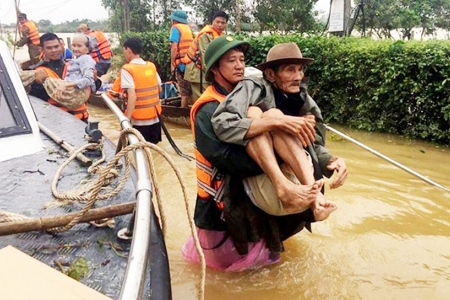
{"x": 291, "y": 151}
{"x": 293, "y": 196}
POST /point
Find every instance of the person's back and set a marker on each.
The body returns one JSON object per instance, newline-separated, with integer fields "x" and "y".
{"x": 102, "y": 50}
{"x": 140, "y": 82}
{"x": 180, "y": 40}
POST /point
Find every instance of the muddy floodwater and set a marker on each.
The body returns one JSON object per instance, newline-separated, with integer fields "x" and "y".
{"x": 389, "y": 238}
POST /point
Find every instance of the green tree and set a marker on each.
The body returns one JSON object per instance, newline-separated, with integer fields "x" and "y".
{"x": 285, "y": 15}
{"x": 204, "y": 9}
{"x": 382, "y": 16}
{"x": 138, "y": 16}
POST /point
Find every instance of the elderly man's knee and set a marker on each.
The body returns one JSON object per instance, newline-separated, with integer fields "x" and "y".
{"x": 254, "y": 112}
{"x": 273, "y": 112}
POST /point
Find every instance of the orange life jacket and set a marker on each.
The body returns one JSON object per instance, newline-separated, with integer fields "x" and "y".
{"x": 147, "y": 91}
{"x": 81, "y": 112}
{"x": 103, "y": 49}
{"x": 193, "y": 53}
{"x": 184, "y": 43}
{"x": 209, "y": 181}
{"x": 33, "y": 37}
{"x": 116, "y": 87}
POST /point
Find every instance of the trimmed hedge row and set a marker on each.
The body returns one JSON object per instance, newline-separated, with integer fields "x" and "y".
{"x": 386, "y": 86}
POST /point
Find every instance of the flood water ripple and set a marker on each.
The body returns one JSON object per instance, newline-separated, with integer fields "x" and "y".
{"x": 389, "y": 238}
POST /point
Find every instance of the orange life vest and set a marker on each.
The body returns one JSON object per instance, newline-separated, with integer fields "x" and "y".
{"x": 147, "y": 89}
{"x": 116, "y": 87}
{"x": 184, "y": 43}
{"x": 193, "y": 53}
{"x": 81, "y": 112}
{"x": 33, "y": 37}
{"x": 209, "y": 181}
{"x": 103, "y": 49}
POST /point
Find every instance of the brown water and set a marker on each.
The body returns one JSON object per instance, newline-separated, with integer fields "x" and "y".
{"x": 389, "y": 239}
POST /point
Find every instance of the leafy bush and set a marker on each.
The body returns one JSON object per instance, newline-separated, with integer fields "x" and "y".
{"x": 387, "y": 86}
{"x": 156, "y": 49}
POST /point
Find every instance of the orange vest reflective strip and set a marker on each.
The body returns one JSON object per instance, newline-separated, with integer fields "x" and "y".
{"x": 33, "y": 32}
{"x": 185, "y": 41}
{"x": 209, "y": 182}
{"x": 81, "y": 112}
{"x": 146, "y": 87}
{"x": 103, "y": 49}
{"x": 193, "y": 54}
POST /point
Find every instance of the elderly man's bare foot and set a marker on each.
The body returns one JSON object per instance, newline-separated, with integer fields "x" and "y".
{"x": 322, "y": 208}
{"x": 295, "y": 197}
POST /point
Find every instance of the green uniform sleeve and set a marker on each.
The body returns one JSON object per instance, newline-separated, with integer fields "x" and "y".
{"x": 230, "y": 119}
{"x": 203, "y": 42}
{"x": 25, "y": 36}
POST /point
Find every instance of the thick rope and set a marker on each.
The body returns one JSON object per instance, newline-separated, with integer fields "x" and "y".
{"x": 148, "y": 146}
{"x": 6, "y": 217}
{"x": 91, "y": 192}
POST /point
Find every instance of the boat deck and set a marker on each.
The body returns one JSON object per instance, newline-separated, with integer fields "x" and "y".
{"x": 25, "y": 186}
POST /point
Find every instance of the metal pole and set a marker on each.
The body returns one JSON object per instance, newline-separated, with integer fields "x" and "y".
{"x": 135, "y": 274}
{"x": 387, "y": 158}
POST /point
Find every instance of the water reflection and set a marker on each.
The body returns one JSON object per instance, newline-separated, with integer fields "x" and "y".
{"x": 389, "y": 239}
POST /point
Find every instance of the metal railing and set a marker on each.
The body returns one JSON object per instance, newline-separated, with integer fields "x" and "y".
{"x": 135, "y": 274}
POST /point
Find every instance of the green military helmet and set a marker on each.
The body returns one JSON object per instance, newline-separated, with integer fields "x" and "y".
{"x": 218, "y": 47}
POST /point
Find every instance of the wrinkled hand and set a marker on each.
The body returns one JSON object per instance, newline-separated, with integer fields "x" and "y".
{"x": 311, "y": 119}
{"x": 338, "y": 165}
{"x": 300, "y": 127}
{"x": 40, "y": 76}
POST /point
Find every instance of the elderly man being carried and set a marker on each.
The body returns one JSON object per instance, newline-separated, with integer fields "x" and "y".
{"x": 251, "y": 116}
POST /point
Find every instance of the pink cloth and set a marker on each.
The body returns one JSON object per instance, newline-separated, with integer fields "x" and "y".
{"x": 225, "y": 257}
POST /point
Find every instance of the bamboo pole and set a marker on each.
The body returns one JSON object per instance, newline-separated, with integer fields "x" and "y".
{"x": 64, "y": 144}
{"x": 395, "y": 163}
{"x": 17, "y": 27}
{"x": 45, "y": 223}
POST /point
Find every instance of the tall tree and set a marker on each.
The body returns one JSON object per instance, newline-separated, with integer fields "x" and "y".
{"x": 136, "y": 14}
{"x": 204, "y": 9}
{"x": 385, "y": 15}
{"x": 285, "y": 15}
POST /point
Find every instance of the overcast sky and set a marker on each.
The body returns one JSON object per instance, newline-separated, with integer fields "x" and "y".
{"x": 58, "y": 11}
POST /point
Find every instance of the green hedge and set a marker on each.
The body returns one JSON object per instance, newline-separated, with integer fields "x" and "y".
{"x": 386, "y": 86}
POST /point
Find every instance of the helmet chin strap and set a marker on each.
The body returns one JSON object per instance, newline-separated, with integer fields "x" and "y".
{"x": 230, "y": 83}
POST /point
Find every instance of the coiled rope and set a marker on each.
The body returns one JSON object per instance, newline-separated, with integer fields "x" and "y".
{"x": 90, "y": 193}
